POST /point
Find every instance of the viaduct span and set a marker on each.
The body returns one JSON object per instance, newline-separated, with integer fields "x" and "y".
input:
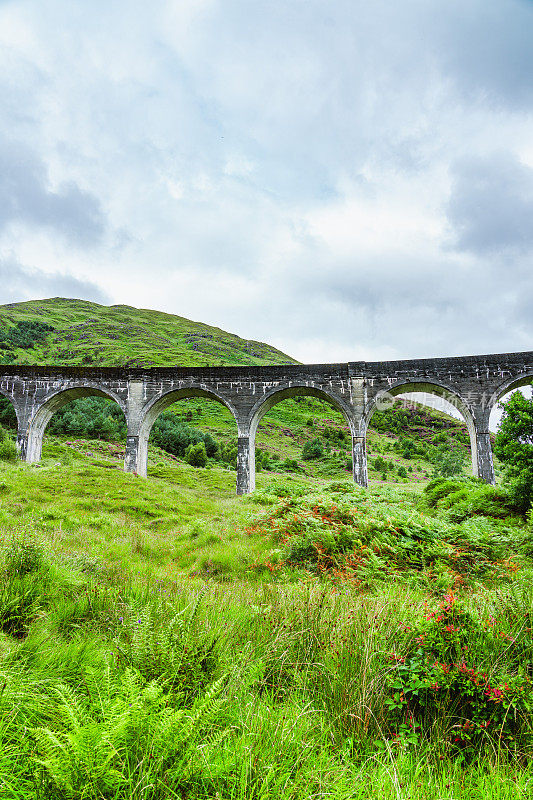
{"x": 473, "y": 384}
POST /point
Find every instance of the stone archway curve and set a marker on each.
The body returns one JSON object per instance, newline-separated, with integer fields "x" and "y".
{"x": 55, "y": 400}
{"x": 508, "y": 386}
{"x": 157, "y": 405}
{"x": 17, "y": 410}
{"x": 261, "y": 407}
{"x": 303, "y": 389}
{"x": 438, "y": 389}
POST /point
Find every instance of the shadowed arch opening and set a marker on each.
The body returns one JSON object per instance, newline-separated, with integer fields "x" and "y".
{"x": 52, "y": 404}
{"x": 195, "y": 417}
{"x": 423, "y": 392}
{"x": 310, "y": 430}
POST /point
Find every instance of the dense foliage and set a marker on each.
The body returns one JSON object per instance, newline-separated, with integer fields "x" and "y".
{"x": 172, "y": 435}
{"x": 90, "y": 418}
{"x": 24, "y": 334}
{"x": 514, "y": 447}
{"x": 345, "y": 534}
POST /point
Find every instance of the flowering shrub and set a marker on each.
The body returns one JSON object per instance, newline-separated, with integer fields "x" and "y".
{"x": 438, "y": 679}
{"x": 347, "y": 535}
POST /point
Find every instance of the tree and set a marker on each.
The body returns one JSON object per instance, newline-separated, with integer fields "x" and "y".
{"x": 312, "y": 449}
{"x": 447, "y": 462}
{"x": 195, "y": 455}
{"x": 514, "y": 448}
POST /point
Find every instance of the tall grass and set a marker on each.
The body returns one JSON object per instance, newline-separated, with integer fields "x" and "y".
{"x": 296, "y": 682}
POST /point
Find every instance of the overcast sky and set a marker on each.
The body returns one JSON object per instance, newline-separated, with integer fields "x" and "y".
{"x": 343, "y": 179}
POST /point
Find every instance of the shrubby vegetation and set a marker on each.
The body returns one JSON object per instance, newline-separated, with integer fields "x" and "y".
{"x": 24, "y": 334}
{"x": 90, "y": 418}
{"x": 8, "y": 448}
{"x": 345, "y": 533}
{"x": 514, "y": 447}
{"x": 176, "y": 437}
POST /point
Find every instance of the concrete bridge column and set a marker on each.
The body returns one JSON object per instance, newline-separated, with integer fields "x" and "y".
{"x": 360, "y": 471}
{"x": 359, "y": 401}
{"x": 22, "y": 443}
{"x": 481, "y": 446}
{"x": 134, "y": 460}
{"x": 30, "y": 441}
{"x": 22, "y": 433}
{"x": 131, "y": 459}
{"x": 245, "y": 464}
{"x": 485, "y": 465}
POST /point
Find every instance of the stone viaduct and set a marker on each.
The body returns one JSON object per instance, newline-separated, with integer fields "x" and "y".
{"x": 473, "y": 384}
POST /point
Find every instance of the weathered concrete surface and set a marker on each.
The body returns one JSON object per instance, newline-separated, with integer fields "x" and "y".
{"x": 474, "y": 384}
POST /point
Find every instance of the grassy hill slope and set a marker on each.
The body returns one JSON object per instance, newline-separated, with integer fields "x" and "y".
{"x": 94, "y": 335}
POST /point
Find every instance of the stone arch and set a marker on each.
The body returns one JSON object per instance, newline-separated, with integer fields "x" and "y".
{"x": 439, "y": 390}
{"x": 52, "y": 403}
{"x": 280, "y": 393}
{"x": 277, "y": 395}
{"x": 508, "y": 386}
{"x": 156, "y": 406}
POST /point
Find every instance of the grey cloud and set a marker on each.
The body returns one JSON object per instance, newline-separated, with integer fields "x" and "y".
{"x": 419, "y": 307}
{"x": 312, "y": 101}
{"x": 490, "y": 207}
{"x": 26, "y": 197}
{"x": 18, "y": 282}
{"x": 487, "y": 48}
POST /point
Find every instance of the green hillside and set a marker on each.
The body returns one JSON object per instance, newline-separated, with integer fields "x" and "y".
{"x": 93, "y": 335}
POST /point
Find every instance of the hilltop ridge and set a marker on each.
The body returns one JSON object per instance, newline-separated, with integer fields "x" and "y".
{"x": 89, "y": 334}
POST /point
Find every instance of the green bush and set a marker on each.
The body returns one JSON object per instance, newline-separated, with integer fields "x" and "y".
{"x": 8, "y": 418}
{"x": 196, "y": 455}
{"x": 312, "y": 449}
{"x": 262, "y": 460}
{"x": 8, "y": 450}
{"x": 25, "y": 334}
{"x": 439, "y": 488}
{"x": 448, "y": 461}
{"x": 90, "y": 418}
{"x": 379, "y": 464}
{"x": 174, "y": 437}
{"x": 514, "y": 447}
{"x": 469, "y": 497}
{"x": 439, "y": 678}
{"x": 228, "y": 454}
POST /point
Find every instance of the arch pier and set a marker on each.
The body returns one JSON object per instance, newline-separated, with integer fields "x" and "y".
{"x": 473, "y": 384}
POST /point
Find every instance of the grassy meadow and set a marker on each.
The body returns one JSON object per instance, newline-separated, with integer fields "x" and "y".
{"x": 164, "y": 638}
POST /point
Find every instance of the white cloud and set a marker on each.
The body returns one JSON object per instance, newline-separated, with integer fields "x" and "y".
{"x": 294, "y": 172}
